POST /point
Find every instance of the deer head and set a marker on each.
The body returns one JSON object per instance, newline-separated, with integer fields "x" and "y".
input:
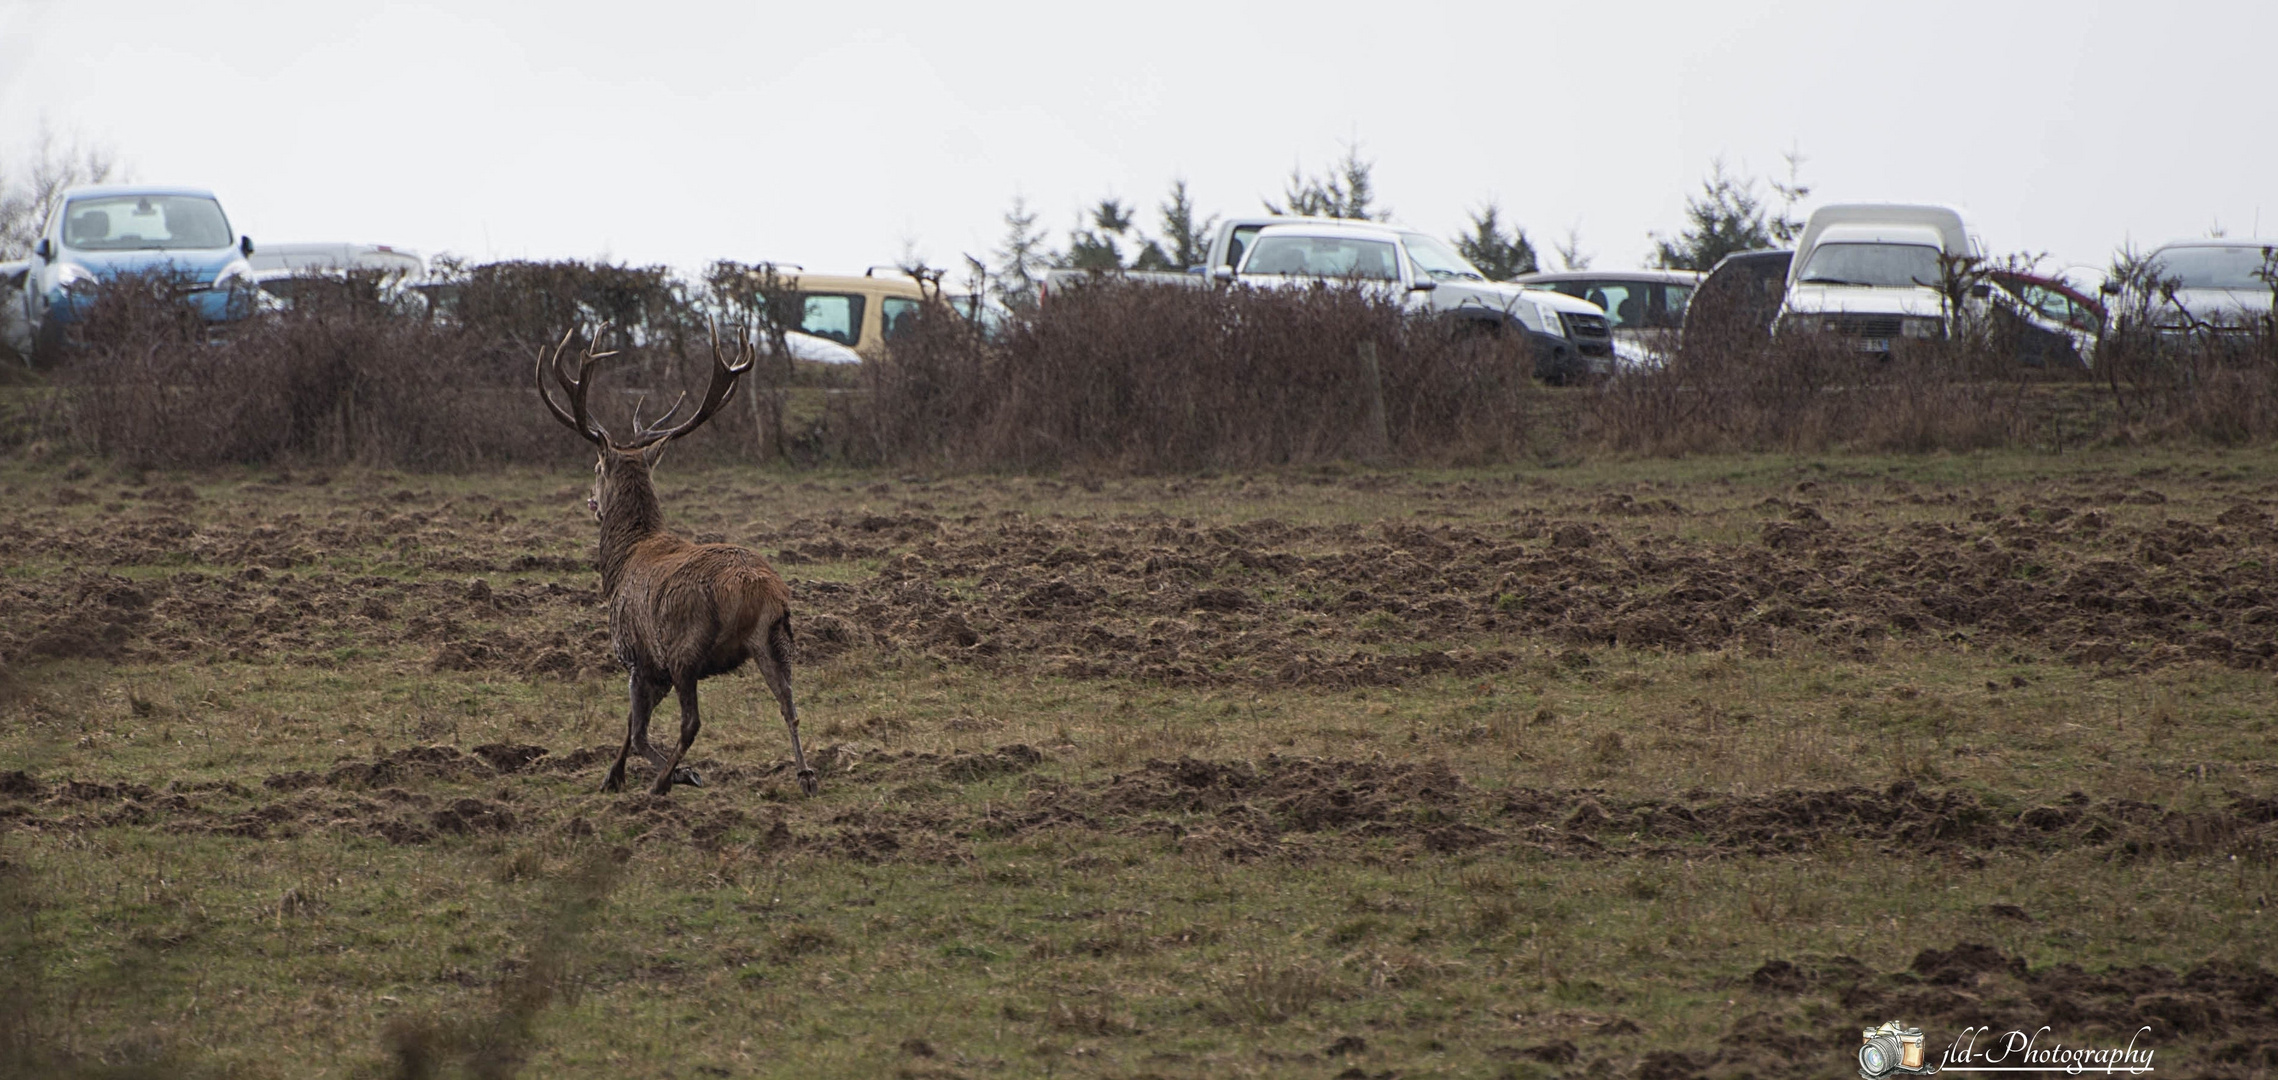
{"x": 623, "y": 467}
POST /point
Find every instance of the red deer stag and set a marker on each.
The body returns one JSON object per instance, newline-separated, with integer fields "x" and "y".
{"x": 678, "y": 612}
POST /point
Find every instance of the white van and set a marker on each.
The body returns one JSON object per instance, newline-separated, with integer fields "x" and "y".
{"x": 1871, "y": 274}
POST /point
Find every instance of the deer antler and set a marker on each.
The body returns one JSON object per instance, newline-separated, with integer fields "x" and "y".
{"x": 575, "y": 416}
{"x": 724, "y": 376}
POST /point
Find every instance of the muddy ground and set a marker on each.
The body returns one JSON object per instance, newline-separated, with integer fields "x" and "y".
{"x": 2097, "y": 572}
{"x": 1299, "y": 584}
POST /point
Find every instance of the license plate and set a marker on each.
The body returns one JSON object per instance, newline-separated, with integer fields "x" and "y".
{"x": 1872, "y": 344}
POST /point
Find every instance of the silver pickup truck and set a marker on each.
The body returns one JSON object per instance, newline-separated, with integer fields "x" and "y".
{"x": 1571, "y": 335}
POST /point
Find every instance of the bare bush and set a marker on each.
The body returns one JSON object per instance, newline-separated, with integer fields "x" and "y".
{"x": 347, "y": 377}
{"x": 2219, "y": 385}
{"x": 1152, "y": 377}
{"x": 32, "y": 184}
{"x": 1808, "y": 392}
{"x": 1113, "y": 376}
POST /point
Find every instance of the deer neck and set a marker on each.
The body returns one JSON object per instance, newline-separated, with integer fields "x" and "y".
{"x": 633, "y": 515}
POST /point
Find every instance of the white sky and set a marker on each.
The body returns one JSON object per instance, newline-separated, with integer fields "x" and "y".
{"x": 829, "y": 134}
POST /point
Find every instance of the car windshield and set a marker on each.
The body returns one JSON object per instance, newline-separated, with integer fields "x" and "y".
{"x": 2217, "y": 267}
{"x": 1323, "y": 256}
{"x": 1439, "y": 260}
{"x": 144, "y": 222}
{"x": 1884, "y": 266}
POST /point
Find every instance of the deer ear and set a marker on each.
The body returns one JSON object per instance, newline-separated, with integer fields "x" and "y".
{"x": 653, "y": 454}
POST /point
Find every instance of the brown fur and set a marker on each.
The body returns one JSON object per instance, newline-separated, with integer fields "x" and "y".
{"x": 682, "y": 612}
{"x": 679, "y": 612}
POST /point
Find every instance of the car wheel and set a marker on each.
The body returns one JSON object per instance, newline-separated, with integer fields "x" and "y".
{"x": 49, "y": 342}
{"x": 1556, "y": 364}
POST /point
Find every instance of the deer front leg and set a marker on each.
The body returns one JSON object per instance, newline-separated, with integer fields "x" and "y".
{"x": 671, "y": 772}
{"x": 644, "y": 694}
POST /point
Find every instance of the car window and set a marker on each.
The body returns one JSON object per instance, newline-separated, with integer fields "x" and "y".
{"x": 1674, "y": 300}
{"x": 899, "y": 313}
{"x": 1883, "y": 266}
{"x": 2216, "y": 267}
{"x": 1624, "y": 301}
{"x": 1240, "y": 242}
{"x": 2051, "y": 304}
{"x": 144, "y": 222}
{"x": 1324, "y": 256}
{"x": 2058, "y": 306}
{"x": 1439, "y": 261}
{"x": 837, "y": 316}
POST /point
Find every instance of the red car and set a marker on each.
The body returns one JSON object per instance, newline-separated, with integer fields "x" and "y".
{"x": 2050, "y": 320}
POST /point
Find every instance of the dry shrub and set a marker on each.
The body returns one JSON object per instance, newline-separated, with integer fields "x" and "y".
{"x": 2217, "y": 387}
{"x": 349, "y": 376}
{"x": 1733, "y": 389}
{"x": 1110, "y": 376}
{"x": 1149, "y": 378}
{"x": 1740, "y": 392}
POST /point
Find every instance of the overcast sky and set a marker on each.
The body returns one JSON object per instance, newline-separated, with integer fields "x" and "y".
{"x": 833, "y": 135}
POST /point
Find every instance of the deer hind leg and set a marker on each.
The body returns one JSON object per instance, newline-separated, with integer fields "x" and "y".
{"x": 644, "y": 693}
{"x": 670, "y": 772}
{"x": 774, "y": 658}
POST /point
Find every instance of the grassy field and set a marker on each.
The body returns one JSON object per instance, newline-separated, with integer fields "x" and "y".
{"x": 1653, "y": 769}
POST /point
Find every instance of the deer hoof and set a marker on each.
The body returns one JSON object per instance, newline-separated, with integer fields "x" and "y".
{"x": 688, "y": 776}
{"x": 615, "y": 781}
{"x": 808, "y": 784}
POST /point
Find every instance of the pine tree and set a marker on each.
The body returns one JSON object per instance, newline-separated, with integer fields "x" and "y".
{"x": 1022, "y": 257}
{"x": 1348, "y": 192}
{"x": 1570, "y": 253}
{"x": 1727, "y": 216}
{"x": 1785, "y": 225}
{"x": 1098, "y": 247}
{"x": 1501, "y": 256}
{"x": 1189, "y": 239}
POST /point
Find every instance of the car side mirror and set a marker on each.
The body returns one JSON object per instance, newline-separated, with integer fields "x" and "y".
{"x": 1423, "y": 285}
{"x": 45, "y": 249}
{"x": 1222, "y": 273}
{"x": 245, "y": 245}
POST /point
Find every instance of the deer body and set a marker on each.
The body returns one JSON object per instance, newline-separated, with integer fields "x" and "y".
{"x": 679, "y": 612}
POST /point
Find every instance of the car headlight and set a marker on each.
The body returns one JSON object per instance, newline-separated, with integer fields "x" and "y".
{"x": 1551, "y": 323}
{"x": 74, "y": 276}
{"x": 1921, "y": 328}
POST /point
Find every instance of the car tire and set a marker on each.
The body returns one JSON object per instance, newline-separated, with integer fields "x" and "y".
{"x": 1555, "y": 363}
{"x": 49, "y": 343}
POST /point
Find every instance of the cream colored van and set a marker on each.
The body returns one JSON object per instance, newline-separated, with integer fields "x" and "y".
{"x": 862, "y": 312}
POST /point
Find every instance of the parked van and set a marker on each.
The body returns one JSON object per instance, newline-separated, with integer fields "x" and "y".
{"x": 861, "y": 312}
{"x": 1870, "y": 274}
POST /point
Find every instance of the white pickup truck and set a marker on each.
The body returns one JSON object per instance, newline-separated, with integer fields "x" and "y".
{"x": 1571, "y": 335}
